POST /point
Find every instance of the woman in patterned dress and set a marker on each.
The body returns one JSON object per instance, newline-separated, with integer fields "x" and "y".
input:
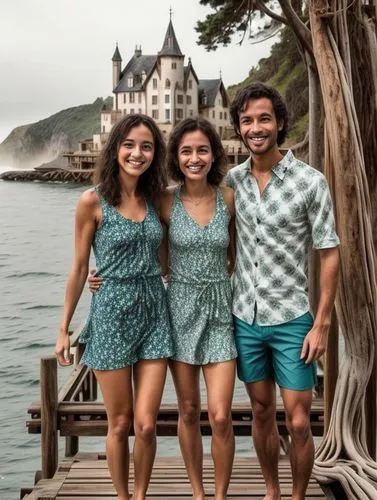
{"x": 200, "y": 217}
{"x": 127, "y": 335}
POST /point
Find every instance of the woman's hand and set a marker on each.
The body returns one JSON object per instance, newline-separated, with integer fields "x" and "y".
{"x": 62, "y": 349}
{"x": 94, "y": 282}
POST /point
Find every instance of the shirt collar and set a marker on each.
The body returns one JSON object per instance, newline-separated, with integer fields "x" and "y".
{"x": 280, "y": 168}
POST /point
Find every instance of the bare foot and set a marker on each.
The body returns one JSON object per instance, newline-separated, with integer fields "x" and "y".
{"x": 199, "y": 496}
{"x": 275, "y": 495}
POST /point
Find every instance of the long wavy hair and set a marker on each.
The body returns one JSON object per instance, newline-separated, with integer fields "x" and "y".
{"x": 152, "y": 182}
{"x": 219, "y": 165}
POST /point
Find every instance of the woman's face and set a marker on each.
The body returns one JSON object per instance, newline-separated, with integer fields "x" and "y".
{"x": 136, "y": 151}
{"x": 195, "y": 155}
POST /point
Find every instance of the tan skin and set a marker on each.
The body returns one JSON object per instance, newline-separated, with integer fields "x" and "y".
{"x": 259, "y": 128}
{"x": 122, "y": 403}
{"x": 199, "y": 199}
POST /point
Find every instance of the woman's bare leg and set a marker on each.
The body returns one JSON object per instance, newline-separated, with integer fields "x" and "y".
{"x": 149, "y": 379}
{"x": 116, "y": 388}
{"x": 220, "y": 378}
{"x": 186, "y": 381}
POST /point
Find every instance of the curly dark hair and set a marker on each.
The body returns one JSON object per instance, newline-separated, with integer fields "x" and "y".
{"x": 219, "y": 165}
{"x": 258, "y": 90}
{"x": 152, "y": 182}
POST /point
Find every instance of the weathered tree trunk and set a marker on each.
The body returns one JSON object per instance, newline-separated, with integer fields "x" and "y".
{"x": 344, "y": 454}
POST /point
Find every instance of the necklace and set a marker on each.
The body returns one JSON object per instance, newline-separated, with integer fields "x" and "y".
{"x": 191, "y": 199}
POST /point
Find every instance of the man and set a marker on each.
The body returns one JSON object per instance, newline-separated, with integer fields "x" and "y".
{"x": 283, "y": 207}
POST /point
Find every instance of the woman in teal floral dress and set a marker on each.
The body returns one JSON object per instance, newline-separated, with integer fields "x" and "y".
{"x": 200, "y": 217}
{"x": 127, "y": 335}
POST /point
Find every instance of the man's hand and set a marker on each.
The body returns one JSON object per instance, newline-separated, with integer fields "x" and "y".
{"x": 315, "y": 343}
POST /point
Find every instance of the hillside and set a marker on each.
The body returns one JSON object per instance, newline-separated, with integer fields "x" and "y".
{"x": 30, "y": 145}
{"x": 284, "y": 70}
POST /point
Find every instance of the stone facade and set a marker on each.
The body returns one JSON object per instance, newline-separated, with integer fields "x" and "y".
{"x": 163, "y": 87}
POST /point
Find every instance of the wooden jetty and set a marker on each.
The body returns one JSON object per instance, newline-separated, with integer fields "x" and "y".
{"x": 74, "y": 411}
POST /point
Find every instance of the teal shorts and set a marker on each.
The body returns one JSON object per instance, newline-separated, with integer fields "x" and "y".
{"x": 274, "y": 351}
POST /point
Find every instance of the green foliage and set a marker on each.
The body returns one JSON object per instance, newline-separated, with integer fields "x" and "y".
{"x": 230, "y": 17}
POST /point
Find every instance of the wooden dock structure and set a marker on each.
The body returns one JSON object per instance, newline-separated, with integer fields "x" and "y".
{"x": 86, "y": 477}
{"x": 74, "y": 411}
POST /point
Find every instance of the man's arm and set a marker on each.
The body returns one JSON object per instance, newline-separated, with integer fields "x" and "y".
{"x": 316, "y": 340}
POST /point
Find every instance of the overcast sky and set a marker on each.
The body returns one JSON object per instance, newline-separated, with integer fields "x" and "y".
{"x": 55, "y": 54}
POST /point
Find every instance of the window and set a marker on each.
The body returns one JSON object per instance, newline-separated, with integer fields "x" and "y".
{"x": 139, "y": 97}
{"x": 167, "y": 114}
{"x": 213, "y": 113}
{"x": 179, "y": 113}
{"x": 180, "y": 99}
{"x": 140, "y": 110}
{"x": 173, "y": 65}
{"x": 130, "y": 81}
{"x": 155, "y": 114}
{"x": 132, "y": 97}
{"x": 190, "y": 84}
{"x": 225, "y": 115}
{"x": 221, "y": 115}
{"x": 191, "y": 112}
{"x": 220, "y": 132}
{"x": 167, "y": 98}
{"x": 188, "y": 99}
{"x": 124, "y": 99}
{"x": 167, "y": 83}
{"x": 154, "y": 83}
{"x": 132, "y": 111}
{"x": 154, "y": 99}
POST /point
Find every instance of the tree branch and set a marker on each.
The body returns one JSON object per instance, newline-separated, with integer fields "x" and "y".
{"x": 263, "y": 7}
{"x": 300, "y": 29}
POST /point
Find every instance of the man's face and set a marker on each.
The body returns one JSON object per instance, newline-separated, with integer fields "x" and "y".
{"x": 258, "y": 126}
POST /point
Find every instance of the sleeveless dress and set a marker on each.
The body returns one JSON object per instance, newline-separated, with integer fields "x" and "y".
{"x": 199, "y": 290}
{"x": 128, "y": 319}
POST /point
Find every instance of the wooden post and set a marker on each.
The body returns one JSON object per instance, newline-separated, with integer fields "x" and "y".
{"x": 93, "y": 386}
{"x": 49, "y": 404}
{"x": 71, "y": 445}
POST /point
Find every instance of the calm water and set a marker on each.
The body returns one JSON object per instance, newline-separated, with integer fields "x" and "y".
{"x": 36, "y": 228}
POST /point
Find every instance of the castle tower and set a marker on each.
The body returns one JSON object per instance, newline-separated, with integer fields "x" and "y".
{"x": 171, "y": 64}
{"x": 117, "y": 66}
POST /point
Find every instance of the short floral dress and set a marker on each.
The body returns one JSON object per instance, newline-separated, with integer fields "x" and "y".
{"x": 128, "y": 319}
{"x": 199, "y": 290}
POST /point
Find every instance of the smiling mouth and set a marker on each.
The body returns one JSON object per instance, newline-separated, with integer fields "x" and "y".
{"x": 135, "y": 164}
{"x": 259, "y": 139}
{"x": 194, "y": 168}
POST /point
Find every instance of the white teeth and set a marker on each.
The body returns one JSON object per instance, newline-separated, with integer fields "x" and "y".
{"x": 193, "y": 168}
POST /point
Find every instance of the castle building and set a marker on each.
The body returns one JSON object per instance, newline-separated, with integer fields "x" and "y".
{"x": 163, "y": 87}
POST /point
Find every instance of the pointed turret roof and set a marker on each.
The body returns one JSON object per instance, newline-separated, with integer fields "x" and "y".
{"x": 117, "y": 56}
{"x": 170, "y": 46}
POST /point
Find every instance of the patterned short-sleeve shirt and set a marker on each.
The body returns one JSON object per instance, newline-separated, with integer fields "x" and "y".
{"x": 275, "y": 231}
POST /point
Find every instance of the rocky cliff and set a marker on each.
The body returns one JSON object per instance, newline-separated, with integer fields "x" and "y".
{"x": 30, "y": 145}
